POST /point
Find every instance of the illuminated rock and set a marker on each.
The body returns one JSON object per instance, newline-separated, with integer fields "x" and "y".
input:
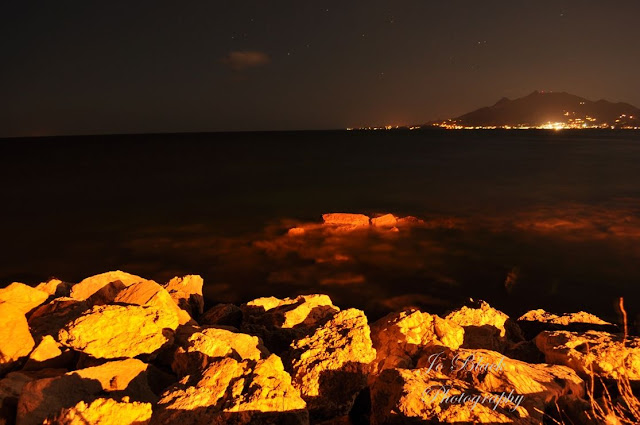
{"x": 23, "y": 297}
{"x": 385, "y": 221}
{"x": 48, "y": 354}
{"x": 48, "y": 396}
{"x": 486, "y": 327}
{"x": 207, "y": 344}
{"x": 536, "y": 321}
{"x": 55, "y": 287}
{"x": 345, "y": 219}
{"x": 331, "y": 366}
{"x": 186, "y": 291}
{"x": 234, "y": 392}
{"x": 49, "y": 318}
{"x": 117, "y": 331}
{"x": 222, "y": 314}
{"x": 16, "y": 341}
{"x": 399, "y": 338}
{"x": 104, "y": 411}
{"x": 403, "y": 396}
{"x": 603, "y": 352}
{"x": 151, "y": 294}
{"x": 278, "y": 322}
{"x": 90, "y": 285}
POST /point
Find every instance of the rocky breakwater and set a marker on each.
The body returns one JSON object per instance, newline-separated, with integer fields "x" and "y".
{"x": 120, "y": 349}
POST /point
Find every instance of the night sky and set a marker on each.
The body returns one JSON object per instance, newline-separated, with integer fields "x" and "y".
{"x": 166, "y": 66}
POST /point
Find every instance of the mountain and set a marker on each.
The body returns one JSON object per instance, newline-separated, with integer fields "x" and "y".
{"x": 550, "y": 109}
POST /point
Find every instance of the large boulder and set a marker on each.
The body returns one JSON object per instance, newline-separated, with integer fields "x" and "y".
{"x": 151, "y": 294}
{"x": 11, "y": 387}
{"x": 331, "y": 366}
{"x": 48, "y": 396}
{"x": 55, "y": 287}
{"x": 104, "y": 411}
{"x": 186, "y": 291}
{"x": 49, "y": 318}
{"x": 535, "y": 321}
{"x": 399, "y": 338}
{"x": 23, "y": 297}
{"x": 234, "y": 392}
{"x": 280, "y": 321}
{"x": 16, "y": 341}
{"x": 91, "y": 285}
{"x": 117, "y": 331}
{"x": 604, "y": 354}
{"x": 204, "y": 345}
{"x": 403, "y": 396}
{"x": 486, "y": 327}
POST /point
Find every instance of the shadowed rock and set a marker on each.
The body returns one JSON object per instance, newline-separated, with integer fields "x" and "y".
{"x": 116, "y": 331}
{"x": 186, "y": 291}
{"x": 49, "y": 318}
{"x": 48, "y": 354}
{"x": 55, "y": 287}
{"x": 222, "y": 314}
{"x": 11, "y": 387}
{"x": 151, "y": 294}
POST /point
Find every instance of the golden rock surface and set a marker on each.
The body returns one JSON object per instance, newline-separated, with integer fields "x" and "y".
{"x": 542, "y": 316}
{"x": 186, "y": 291}
{"x": 149, "y": 293}
{"x": 91, "y": 285}
{"x": 23, "y": 297}
{"x": 104, "y": 411}
{"x": 345, "y": 219}
{"x": 16, "y": 341}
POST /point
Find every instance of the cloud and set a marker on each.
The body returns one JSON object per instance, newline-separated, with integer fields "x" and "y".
{"x": 242, "y": 60}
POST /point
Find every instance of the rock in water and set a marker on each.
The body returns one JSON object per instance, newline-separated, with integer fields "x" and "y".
{"x": 233, "y": 392}
{"x": 91, "y": 285}
{"x": 23, "y": 297}
{"x": 609, "y": 357}
{"x": 16, "y": 341}
{"x": 399, "y": 338}
{"x": 345, "y": 219}
{"x": 151, "y": 294}
{"x": 331, "y": 366}
{"x": 104, "y": 411}
{"x": 403, "y": 396}
{"x": 115, "y": 331}
{"x": 485, "y": 327}
{"x": 186, "y": 291}
{"x": 207, "y": 344}
{"x": 44, "y": 397}
{"x": 385, "y": 221}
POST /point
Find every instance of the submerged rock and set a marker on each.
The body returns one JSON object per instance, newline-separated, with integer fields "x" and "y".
{"x": 23, "y": 297}
{"x": 385, "y": 221}
{"x": 399, "y": 338}
{"x": 104, "y": 411}
{"x": 606, "y": 354}
{"x": 485, "y": 327}
{"x": 204, "y": 345}
{"x": 186, "y": 292}
{"x": 331, "y": 366}
{"x": 234, "y": 392}
{"x": 91, "y": 285}
{"x": 16, "y": 341}
{"x": 48, "y": 396}
{"x": 116, "y": 331}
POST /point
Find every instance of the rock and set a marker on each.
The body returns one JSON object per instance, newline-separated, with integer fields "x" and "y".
{"x": 49, "y": 318}
{"x": 331, "y": 366}
{"x": 535, "y": 321}
{"x": 44, "y": 397}
{"x": 186, "y": 291}
{"x": 399, "y": 338}
{"x": 207, "y": 344}
{"x": 151, "y": 294}
{"x": 278, "y": 322}
{"x": 541, "y": 385}
{"x": 609, "y": 357}
{"x": 403, "y": 396}
{"x": 55, "y": 287}
{"x": 49, "y": 355}
{"x": 222, "y": 314}
{"x": 116, "y": 331}
{"x": 16, "y": 341}
{"x": 23, "y": 297}
{"x": 385, "y": 221}
{"x": 345, "y": 219}
{"x": 233, "y": 392}
{"x": 11, "y": 387}
{"x": 91, "y": 285}
{"x": 486, "y": 327}
{"x": 104, "y": 411}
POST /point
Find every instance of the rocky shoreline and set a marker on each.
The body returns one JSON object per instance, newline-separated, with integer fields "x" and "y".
{"x": 120, "y": 349}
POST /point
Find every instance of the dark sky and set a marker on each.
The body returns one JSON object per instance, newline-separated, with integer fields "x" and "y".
{"x": 168, "y": 66}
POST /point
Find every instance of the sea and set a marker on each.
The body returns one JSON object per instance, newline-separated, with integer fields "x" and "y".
{"x": 522, "y": 219}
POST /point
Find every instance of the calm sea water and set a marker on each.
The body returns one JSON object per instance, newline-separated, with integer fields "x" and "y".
{"x": 520, "y": 219}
